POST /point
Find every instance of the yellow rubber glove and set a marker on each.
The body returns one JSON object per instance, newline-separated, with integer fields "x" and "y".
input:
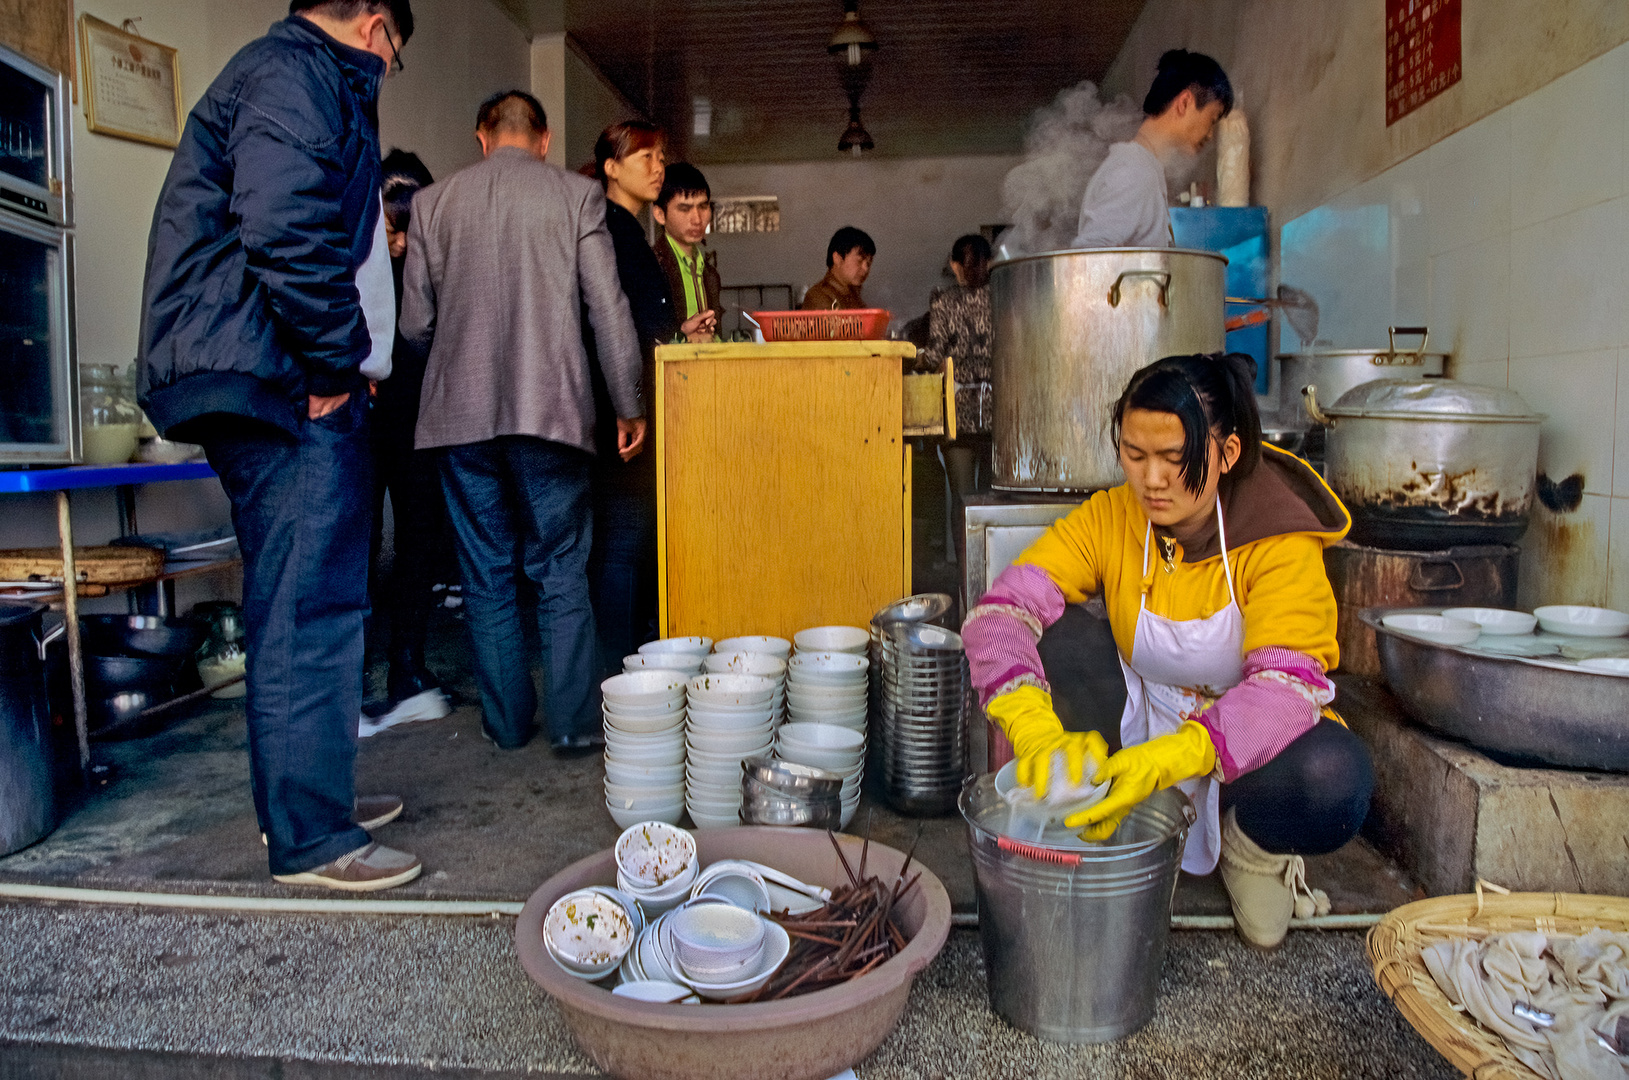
{"x": 1139, "y": 771}
{"x": 1026, "y": 715}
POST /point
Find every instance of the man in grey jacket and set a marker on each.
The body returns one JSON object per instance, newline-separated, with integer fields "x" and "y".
{"x": 503, "y": 261}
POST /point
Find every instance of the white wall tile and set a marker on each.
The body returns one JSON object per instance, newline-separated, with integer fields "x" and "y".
{"x": 1470, "y": 301}
{"x": 1564, "y": 556}
{"x": 1580, "y": 395}
{"x": 1620, "y": 470}
{"x": 1617, "y": 592}
{"x": 1487, "y": 373}
{"x": 1468, "y": 197}
{"x": 1563, "y": 156}
{"x": 1567, "y": 282}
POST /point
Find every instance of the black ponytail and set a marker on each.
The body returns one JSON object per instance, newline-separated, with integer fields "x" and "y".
{"x": 1214, "y": 395}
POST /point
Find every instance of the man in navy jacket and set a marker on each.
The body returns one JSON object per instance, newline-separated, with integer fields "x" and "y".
{"x": 268, "y": 304}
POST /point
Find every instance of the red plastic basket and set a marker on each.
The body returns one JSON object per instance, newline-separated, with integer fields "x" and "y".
{"x": 854, "y": 324}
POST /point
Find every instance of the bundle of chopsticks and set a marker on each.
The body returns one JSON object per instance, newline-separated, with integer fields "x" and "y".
{"x": 852, "y": 934}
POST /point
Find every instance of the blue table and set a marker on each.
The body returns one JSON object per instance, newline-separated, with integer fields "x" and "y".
{"x": 63, "y": 480}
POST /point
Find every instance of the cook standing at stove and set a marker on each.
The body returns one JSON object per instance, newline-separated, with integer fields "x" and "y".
{"x": 1209, "y": 559}
{"x": 1127, "y": 203}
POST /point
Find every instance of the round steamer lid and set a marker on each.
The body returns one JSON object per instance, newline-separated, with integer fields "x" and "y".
{"x": 1412, "y": 399}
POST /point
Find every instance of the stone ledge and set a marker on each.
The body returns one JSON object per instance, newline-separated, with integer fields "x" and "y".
{"x": 1449, "y": 814}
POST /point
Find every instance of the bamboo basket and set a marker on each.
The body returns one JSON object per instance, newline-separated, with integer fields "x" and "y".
{"x": 92, "y": 565}
{"x": 1394, "y": 948}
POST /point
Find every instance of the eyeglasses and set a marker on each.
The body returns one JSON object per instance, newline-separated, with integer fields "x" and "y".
{"x": 395, "y": 56}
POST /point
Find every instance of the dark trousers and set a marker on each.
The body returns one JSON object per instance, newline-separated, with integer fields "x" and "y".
{"x": 520, "y": 508}
{"x": 1311, "y": 798}
{"x": 622, "y": 566}
{"x": 302, "y": 507}
{"x": 422, "y": 543}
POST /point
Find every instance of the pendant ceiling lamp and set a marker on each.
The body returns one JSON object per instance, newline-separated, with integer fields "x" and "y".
{"x": 852, "y": 48}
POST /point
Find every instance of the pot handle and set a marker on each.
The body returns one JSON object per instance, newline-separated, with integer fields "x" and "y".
{"x": 1319, "y": 417}
{"x": 1407, "y": 359}
{"x": 1418, "y": 583}
{"x": 1160, "y": 276}
{"x": 50, "y": 636}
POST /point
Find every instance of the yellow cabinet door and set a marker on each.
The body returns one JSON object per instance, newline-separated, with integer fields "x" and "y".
{"x": 783, "y": 485}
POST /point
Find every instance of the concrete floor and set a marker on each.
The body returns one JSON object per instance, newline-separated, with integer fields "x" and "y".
{"x": 117, "y": 992}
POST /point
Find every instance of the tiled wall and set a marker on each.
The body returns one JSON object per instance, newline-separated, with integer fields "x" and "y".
{"x": 1510, "y": 239}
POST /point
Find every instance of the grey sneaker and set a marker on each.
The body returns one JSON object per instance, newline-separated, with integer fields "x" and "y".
{"x": 367, "y": 869}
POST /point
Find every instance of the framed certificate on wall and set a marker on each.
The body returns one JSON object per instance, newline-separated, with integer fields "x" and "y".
{"x": 132, "y": 86}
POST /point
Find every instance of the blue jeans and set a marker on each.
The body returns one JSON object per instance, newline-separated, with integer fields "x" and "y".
{"x": 520, "y": 507}
{"x": 302, "y": 507}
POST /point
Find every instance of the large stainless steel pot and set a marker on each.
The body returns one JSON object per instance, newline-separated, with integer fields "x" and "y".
{"x": 1432, "y": 464}
{"x": 1070, "y": 329}
{"x": 1335, "y": 371}
{"x": 27, "y": 789}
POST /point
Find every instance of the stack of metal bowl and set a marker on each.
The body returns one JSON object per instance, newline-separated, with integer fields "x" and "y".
{"x": 786, "y": 793}
{"x": 918, "y": 608}
{"x": 920, "y": 734}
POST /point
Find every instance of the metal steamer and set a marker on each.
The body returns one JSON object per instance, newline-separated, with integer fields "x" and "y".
{"x": 1432, "y": 464}
{"x": 1332, "y": 372}
{"x": 1070, "y": 329}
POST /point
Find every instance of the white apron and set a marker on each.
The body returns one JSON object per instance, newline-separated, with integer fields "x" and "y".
{"x": 1177, "y": 669}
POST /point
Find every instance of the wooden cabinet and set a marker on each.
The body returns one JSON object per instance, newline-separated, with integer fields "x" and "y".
{"x": 783, "y": 482}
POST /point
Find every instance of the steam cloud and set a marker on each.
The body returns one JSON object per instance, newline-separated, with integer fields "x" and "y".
{"x": 1066, "y": 142}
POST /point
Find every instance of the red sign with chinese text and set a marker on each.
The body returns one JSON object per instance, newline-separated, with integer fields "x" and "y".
{"x": 1422, "y": 53}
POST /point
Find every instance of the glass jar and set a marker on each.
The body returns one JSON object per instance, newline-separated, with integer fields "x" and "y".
{"x": 110, "y": 420}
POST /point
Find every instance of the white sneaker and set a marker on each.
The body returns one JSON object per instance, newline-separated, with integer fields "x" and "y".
{"x": 431, "y": 704}
{"x": 1266, "y": 889}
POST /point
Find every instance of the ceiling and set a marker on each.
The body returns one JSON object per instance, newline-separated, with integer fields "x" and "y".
{"x": 951, "y": 77}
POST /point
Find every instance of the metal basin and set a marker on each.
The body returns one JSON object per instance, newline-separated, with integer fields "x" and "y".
{"x": 142, "y": 635}
{"x": 1535, "y": 710}
{"x": 804, "y": 1038}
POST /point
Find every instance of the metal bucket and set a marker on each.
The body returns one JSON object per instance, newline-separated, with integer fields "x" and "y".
{"x": 1070, "y": 329}
{"x": 1074, "y": 934}
{"x": 27, "y": 789}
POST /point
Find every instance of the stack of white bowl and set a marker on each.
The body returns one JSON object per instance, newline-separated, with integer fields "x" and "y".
{"x": 832, "y": 747}
{"x": 770, "y": 667}
{"x": 644, "y": 746}
{"x": 828, "y": 688}
{"x": 731, "y": 718}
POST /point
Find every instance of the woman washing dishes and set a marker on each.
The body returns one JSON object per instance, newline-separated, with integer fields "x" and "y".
{"x": 1210, "y": 562}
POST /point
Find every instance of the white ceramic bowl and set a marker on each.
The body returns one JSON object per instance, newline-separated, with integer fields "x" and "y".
{"x": 634, "y": 796}
{"x": 823, "y": 694}
{"x": 645, "y": 725}
{"x": 1495, "y": 621}
{"x": 643, "y": 742}
{"x": 829, "y": 664}
{"x": 716, "y": 689}
{"x": 833, "y": 639}
{"x": 661, "y": 708}
{"x": 667, "y": 813}
{"x": 706, "y": 820}
{"x": 1606, "y": 665}
{"x": 846, "y": 715}
{"x": 698, "y": 645}
{"x": 654, "y": 687}
{"x": 745, "y": 663}
{"x": 588, "y": 933}
{"x": 1575, "y": 620}
{"x": 647, "y": 776}
{"x": 653, "y": 857}
{"x": 1434, "y": 628}
{"x": 713, "y": 742}
{"x": 777, "y": 945}
{"x": 731, "y": 725}
{"x": 655, "y": 991}
{"x": 716, "y": 941}
{"x": 689, "y": 663}
{"x": 822, "y": 736}
{"x": 663, "y": 754}
{"x": 755, "y": 643}
{"x": 740, "y": 885}
{"x": 831, "y": 760}
{"x": 695, "y": 755}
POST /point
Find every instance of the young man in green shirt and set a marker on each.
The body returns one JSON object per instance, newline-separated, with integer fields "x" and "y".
{"x": 684, "y": 210}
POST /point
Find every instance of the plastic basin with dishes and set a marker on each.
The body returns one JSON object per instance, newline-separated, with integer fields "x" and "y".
{"x": 811, "y": 1037}
{"x": 1576, "y": 620}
